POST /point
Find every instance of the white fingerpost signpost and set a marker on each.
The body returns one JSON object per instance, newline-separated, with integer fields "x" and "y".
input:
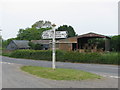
{"x": 53, "y": 34}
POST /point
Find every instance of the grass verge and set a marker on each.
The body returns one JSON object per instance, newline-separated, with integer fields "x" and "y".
{"x": 59, "y": 73}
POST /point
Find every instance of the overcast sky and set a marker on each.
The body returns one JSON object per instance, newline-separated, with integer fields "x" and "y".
{"x": 99, "y": 16}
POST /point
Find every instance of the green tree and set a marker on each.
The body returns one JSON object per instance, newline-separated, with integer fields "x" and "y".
{"x": 69, "y": 29}
{"x": 31, "y": 33}
{"x": 115, "y": 43}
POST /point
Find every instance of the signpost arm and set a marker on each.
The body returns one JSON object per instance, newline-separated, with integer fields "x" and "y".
{"x": 53, "y": 47}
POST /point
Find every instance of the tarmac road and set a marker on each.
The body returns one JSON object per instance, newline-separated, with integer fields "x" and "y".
{"x": 101, "y": 69}
{"x": 13, "y": 77}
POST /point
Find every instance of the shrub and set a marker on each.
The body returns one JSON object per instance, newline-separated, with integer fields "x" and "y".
{"x": 65, "y": 56}
{"x": 109, "y": 58}
{"x": 32, "y": 54}
{"x": 35, "y": 46}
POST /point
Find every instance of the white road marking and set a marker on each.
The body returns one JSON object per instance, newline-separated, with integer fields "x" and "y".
{"x": 6, "y": 63}
{"x": 114, "y": 77}
{"x": 110, "y": 76}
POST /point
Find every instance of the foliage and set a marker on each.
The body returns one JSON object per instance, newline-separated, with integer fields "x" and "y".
{"x": 32, "y": 45}
{"x": 35, "y": 46}
{"x": 69, "y": 29}
{"x": 32, "y": 54}
{"x": 31, "y": 33}
{"x": 59, "y": 73}
{"x": 63, "y": 56}
{"x": 115, "y": 43}
{"x": 38, "y": 47}
{"x": 6, "y": 52}
{"x": 110, "y": 58}
{"x": 34, "y": 33}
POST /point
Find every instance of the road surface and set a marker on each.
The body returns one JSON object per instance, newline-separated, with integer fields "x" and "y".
{"x": 13, "y": 77}
{"x": 105, "y": 70}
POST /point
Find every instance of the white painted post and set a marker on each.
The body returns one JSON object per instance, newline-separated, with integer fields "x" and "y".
{"x": 53, "y": 47}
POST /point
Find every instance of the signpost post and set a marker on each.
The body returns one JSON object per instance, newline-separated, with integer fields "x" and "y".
{"x": 53, "y": 47}
{"x": 53, "y": 34}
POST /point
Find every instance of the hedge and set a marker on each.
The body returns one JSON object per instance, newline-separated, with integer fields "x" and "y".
{"x": 64, "y": 56}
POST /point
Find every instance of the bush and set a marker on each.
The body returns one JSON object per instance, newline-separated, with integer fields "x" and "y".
{"x": 109, "y": 58}
{"x": 5, "y": 52}
{"x": 64, "y": 56}
{"x": 32, "y": 54}
{"x": 35, "y": 46}
{"x": 82, "y": 57}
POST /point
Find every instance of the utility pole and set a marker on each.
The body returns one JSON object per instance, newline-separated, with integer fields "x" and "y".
{"x": 53, "y": 47}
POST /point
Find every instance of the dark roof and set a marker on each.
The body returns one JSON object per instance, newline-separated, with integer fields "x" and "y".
{"x": 21, "y": 43}
{"x": 92, "y": 35}
{"x": 41, "y": 41}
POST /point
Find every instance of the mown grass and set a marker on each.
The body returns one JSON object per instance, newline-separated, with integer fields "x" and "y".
{"x": 59, "y": 73}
